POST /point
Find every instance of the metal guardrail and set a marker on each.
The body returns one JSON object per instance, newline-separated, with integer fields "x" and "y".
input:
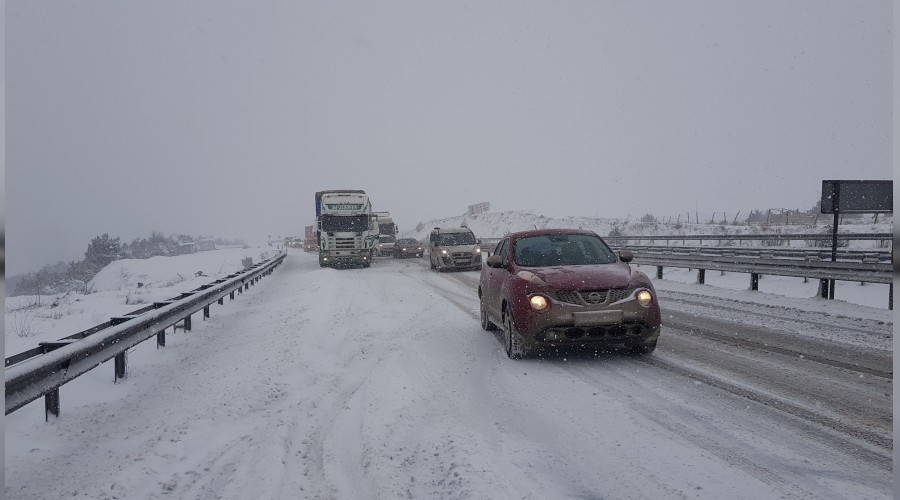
{"x": 488, "y": 244}
{"x": 811, "y": 254}
{"x": 869, "y": 266}
{"x": 826, "y": 271}
{"x": 755, "y": 237}
{"x": 840, "y": 271}
{"x": 41, "y": 371}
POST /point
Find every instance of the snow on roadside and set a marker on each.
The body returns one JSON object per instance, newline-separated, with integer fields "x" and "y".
{"x": 121, "y": 287}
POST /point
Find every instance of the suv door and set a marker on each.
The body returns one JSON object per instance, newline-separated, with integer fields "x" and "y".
{"x": 495, "y": 277}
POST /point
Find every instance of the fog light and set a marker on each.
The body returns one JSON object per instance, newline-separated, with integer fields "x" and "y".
{"x": 539, "y": 302}
{"x": 644, "y": 298}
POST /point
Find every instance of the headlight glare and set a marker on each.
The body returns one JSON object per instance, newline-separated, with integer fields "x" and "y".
{"x": 539, "y": 302}
{"x": 644, "y": 297}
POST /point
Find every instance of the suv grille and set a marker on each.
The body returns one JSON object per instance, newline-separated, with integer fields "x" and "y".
{"x": 460, "y": 259}
{"x": 593, "y": 297}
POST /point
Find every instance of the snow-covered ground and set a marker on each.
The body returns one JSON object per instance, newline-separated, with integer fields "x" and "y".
{"x": 379, "y": 383}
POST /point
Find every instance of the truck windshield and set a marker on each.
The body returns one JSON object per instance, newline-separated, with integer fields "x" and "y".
{"x": 345, "y": 223}
{"x": 454, "y": 239}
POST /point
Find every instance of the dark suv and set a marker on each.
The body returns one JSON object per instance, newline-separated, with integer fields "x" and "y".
{"x": 566, "y": 288}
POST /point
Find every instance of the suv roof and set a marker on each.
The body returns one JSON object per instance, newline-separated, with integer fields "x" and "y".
{"x": 451, "y": 230}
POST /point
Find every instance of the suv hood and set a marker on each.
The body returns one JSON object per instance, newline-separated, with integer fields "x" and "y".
{"x": 597, "y": 277}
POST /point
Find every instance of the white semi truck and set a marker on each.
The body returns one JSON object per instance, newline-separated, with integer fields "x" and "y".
{"x": 387, "y": 234}
{"x": 345, "y": 228}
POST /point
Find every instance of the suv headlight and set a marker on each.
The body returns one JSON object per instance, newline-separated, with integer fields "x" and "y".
{"x": 644, "y": 297}
{"x": 539, "y": 303}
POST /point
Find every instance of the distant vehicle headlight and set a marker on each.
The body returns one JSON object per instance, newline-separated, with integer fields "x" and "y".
{"x": 539, "y": 303}
{"x": 644, "y": 298}
{"x": 444, "y": 252}
{"x": 477, "y": 250}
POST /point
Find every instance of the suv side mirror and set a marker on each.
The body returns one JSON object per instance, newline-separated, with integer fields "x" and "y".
{"x": 626, "y": 256}
{"x": 495, "y": 261}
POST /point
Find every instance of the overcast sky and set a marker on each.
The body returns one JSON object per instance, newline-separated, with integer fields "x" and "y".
{"x": 223, "y": 118}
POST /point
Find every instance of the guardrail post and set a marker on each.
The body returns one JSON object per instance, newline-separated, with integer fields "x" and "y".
{"x": 823, "y": 288}
{"x": 831, "y": 288}
{"x": 701, "y": 276}
{"x": 754, "y": 281}
{"x": 891, "y": 297}
{"x": 161, "y": 339}
{"x": 120, "y": 365}
{"x": 51, "y": 404}
{"x": 187, "y": 323}
{"x": 232, "y": 295}
{"x": 659, "y": 272}
{"x": 221, "y": 301}
{"x": 246, "y": 286}
{"x": 206, "y": 312}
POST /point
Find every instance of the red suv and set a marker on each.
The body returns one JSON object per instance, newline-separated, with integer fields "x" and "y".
{"x": 566, "y": 288}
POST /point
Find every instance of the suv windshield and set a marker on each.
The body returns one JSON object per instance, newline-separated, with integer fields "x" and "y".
{"x": 454, "y": 239}
{"x": 562, "y": 250}
{"x": 407, "y": 242}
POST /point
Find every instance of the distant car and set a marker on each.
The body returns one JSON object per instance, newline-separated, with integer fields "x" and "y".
{"x": 408, "y": 247}
{"x": 566, "y": 288}
{"x": 454, "y": 249}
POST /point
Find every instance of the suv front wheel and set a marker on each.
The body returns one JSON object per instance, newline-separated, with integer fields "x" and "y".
{"x": 514, "y": 347}
{"x": 486, "y": 324}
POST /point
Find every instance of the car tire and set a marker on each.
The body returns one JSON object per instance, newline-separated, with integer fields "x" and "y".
{"x": 486, "y": 324}
{"x": 514, "y": 348}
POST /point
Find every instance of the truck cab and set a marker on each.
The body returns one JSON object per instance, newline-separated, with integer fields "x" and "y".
{"x": 345, "y": 227}
{"x": 454, "y": 248}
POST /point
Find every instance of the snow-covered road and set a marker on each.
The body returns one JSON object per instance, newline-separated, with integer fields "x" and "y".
{"x": 380, "y": 383}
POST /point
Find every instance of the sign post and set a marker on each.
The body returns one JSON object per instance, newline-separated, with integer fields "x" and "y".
{"x": 852, "y": 197}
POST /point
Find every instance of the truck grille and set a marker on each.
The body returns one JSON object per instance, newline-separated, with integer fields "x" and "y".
{"x": 345, "y": 244}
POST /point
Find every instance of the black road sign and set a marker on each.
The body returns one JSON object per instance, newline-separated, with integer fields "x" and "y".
{"x": 857, "y": 197}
